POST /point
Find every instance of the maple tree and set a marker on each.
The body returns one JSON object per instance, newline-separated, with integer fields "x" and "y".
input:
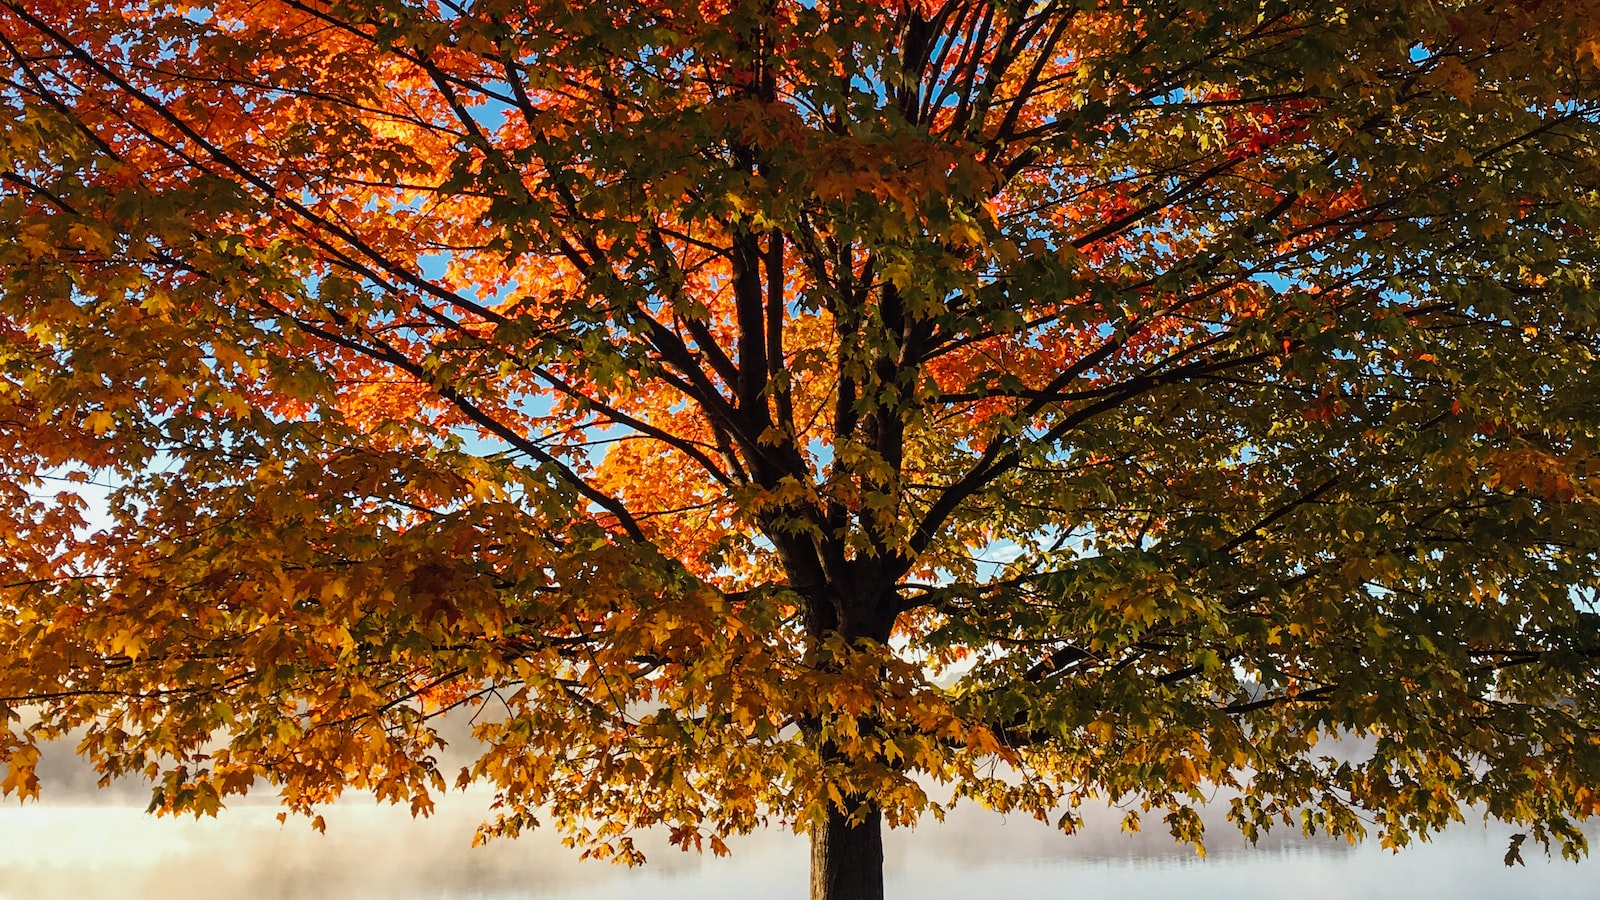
{"x": 807, "y": 413}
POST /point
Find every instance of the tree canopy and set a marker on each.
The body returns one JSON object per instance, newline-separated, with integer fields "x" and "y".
{"x": 773, "y": 412}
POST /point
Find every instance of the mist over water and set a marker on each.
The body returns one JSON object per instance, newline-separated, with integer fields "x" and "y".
{"x": 85, "y": 843}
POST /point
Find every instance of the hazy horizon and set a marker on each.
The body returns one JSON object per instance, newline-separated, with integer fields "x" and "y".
{"x": 84, "y": 843}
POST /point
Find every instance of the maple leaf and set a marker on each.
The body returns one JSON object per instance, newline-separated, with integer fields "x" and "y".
{"x": 754, "y": 412}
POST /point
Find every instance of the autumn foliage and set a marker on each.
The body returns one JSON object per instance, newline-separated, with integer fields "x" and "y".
{"x": 780, "y": 412}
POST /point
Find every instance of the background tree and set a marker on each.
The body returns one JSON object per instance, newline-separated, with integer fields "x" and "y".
{"x": 812, "y": 413}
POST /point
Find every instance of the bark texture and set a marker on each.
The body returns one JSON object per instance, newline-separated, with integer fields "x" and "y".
{"x": 846, "y": 858}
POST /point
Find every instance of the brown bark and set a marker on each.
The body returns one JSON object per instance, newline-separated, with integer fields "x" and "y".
{"x": 846, "y": 858}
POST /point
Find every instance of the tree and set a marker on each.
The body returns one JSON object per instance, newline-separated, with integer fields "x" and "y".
{"x": 808, "y": 413}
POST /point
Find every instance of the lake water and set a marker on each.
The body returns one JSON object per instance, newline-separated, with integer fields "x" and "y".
{"x": 82, "y": 843}
{"x": 72, "y": 848}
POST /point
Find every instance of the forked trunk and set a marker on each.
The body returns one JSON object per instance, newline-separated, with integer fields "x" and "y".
{"x": 847, "y": 859}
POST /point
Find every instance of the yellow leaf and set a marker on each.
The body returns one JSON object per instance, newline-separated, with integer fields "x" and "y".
{"x": 20, "y": 777}
{"x": 37, "y": 240}
{"x": 99, "y": 422}
{"x": 89, "y": 238}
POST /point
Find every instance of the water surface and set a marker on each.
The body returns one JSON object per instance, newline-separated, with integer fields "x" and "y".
{"x": 71, "y": 847}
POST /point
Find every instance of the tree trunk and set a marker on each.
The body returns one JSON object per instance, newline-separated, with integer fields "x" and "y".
{"x": 846, "y": 859}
